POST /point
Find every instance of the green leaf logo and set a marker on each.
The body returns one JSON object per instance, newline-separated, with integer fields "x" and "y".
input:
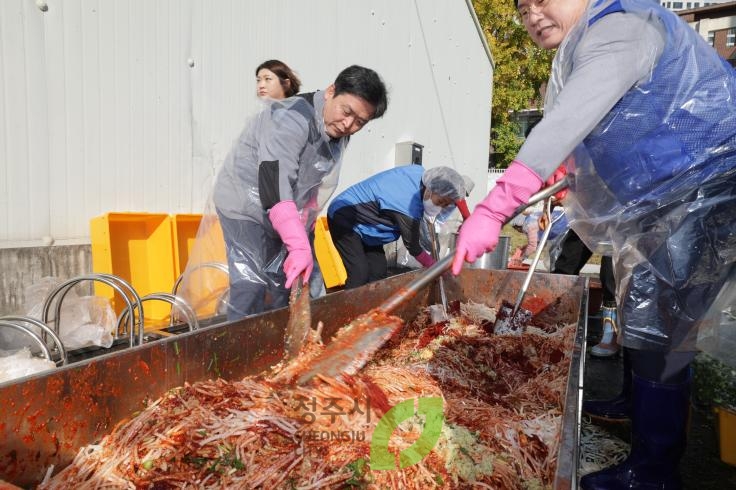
{"x": 431, "y": 408}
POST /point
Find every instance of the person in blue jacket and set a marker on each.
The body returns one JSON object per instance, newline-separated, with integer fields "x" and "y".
{"x": 384, "y": 207}
{"x": 642, "y": 111}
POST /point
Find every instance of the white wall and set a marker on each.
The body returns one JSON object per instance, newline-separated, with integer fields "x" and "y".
{"x": 131, "y": 105}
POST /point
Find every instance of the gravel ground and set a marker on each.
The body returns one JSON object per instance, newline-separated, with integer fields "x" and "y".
{"x": 701, "y": 466}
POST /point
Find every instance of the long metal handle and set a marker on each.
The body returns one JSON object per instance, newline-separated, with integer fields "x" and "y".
{"x": 436, "y": 256}
{"x": 535, "y": 261}
{"x": 439, "y": 267}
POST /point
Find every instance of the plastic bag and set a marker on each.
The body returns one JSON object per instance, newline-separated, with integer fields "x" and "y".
{"x": 85, "y": 320}
{"x": 715, "y": 335}
{"x": 554, "y": 249}
{"x": 21, "y": 363}
{"x": 10, "y": 339}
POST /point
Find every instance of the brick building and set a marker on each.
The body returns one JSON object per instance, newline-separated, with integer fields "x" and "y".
{"x": 717, "y": 25}
{"x": 677, "y": 5}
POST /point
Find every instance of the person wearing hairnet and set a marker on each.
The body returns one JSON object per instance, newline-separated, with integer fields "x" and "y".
{"x": 279, "y": 174}
{"x": 384, "y": 207}
{"x": 646, "y": 111}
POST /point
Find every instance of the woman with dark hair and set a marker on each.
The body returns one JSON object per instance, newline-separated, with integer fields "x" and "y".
{"x": 275, "y": 80}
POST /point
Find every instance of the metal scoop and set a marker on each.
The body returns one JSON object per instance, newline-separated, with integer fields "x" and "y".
{"x": 356, "y": 343}
{"x": 513, "y": 319}
{"x": 437, "y": 312}
{"x": 300, "y": 319}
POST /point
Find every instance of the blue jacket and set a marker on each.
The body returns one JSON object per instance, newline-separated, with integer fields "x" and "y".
{"x": 379, "y": 208}
{"x": 671, "y": 127}
{"x": 655, "y": 180}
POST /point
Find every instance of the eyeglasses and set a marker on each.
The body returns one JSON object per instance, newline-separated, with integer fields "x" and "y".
{"x": 536, "y": 5}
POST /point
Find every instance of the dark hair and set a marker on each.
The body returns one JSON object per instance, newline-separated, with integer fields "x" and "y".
{"x": 364, "y": 83}
{"x": 285, "y": 74}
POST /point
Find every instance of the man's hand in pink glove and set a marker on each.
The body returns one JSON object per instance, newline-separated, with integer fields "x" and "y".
{"x": 479, "y": 233}
{"x": 425, "y": 259}
{"x": 285, "y": 219}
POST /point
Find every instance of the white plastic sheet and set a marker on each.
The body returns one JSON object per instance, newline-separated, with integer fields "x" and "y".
{"x": 85, "y": 320}
{"x": 21, "y": 363}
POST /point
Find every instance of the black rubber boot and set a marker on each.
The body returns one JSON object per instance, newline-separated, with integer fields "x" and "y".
{"x": 658, "y": 437}
{"x": 617, "y": 409}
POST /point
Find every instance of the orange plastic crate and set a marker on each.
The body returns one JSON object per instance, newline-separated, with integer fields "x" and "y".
{"x": 184, "y": 227}
{"x": 333, "y": 270}
{"x": 137, "y": 247}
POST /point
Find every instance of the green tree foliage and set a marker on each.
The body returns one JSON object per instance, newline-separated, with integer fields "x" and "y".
{"x": 520, "y": 70}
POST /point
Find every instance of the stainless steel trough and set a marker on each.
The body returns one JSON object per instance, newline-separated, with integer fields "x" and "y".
{"x": 46, "y": 418}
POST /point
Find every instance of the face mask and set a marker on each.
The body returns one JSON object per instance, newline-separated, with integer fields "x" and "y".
{"x": 431, "y": 209}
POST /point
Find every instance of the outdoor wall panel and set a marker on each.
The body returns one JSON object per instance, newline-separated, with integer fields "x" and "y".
{"x": 23, "y": 208}
{"x": 132, "y": 105}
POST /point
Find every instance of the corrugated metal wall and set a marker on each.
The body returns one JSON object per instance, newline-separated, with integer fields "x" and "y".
{"x": 131, "y": 105}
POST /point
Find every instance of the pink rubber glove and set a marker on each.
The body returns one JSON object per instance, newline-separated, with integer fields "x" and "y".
{"x": 285, "y": 219}
{"x": 479, "y": 233}
{"x": 559, "y": 174}
{"x": 425, "y": 259}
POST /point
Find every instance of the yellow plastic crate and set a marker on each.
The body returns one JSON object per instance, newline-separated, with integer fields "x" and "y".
{"x": 137, "y": 247}
{"x": 184, "y": 227}
{"x": 206, "y": 283}
{"x": 333, "y": 270}
{"x": 727, "y": 434}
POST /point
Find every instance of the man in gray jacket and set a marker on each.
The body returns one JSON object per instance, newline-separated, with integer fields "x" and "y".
{"x": 278, "y": 176}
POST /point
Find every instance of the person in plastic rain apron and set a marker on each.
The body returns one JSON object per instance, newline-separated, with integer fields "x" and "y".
{"x": 643, "y": 113}
{"x": 276, "y": 179}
